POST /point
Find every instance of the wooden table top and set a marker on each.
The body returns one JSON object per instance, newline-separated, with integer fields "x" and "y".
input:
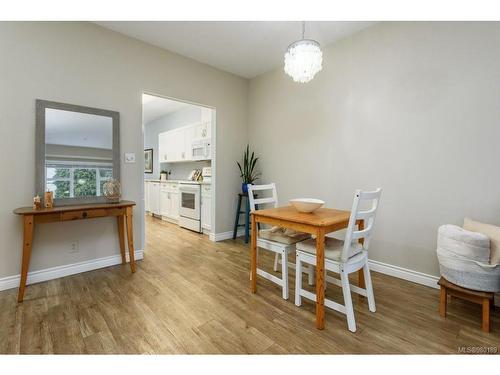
{"x": 322, "y": 217}
{"x": 31, "y": 211}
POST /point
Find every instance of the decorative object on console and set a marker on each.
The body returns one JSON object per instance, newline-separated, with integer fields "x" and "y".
{"x": 49, "y": 199}
{"x": 37, "y": 202}
{"x": 247, "y": 172}
{"x": 112, "y": 190}
{"x": 303, "y": 59}
{"x": 306, "y": 205}
{"x": 148, "y": 160}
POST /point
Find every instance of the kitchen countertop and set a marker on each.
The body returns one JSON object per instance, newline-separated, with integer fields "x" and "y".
{"x": 178, "y": 181}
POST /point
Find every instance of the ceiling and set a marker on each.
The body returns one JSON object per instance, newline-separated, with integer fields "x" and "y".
{"x": 78, "y": 129}
{"x": 154, "y": 107}
{"x": 244, "y": 48}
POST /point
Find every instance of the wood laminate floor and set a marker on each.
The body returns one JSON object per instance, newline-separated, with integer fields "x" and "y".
{"x": 191, "y": 295}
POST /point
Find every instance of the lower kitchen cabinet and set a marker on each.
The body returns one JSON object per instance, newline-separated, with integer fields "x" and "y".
{"x": 174, "y": 205}
{"x": 153, "y": 197}
{"x": 169, "y": 201}
{"x": 206, "y": 207}
{"x": 146, "y": 196}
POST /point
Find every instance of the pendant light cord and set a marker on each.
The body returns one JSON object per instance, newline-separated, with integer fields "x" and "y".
{"x": 303, "y": 28}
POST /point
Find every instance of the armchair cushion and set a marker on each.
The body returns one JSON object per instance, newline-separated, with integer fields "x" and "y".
{"x": 492, "y": 231}
{"x": 464, "y": 259}
{"x": 462, "y": 243}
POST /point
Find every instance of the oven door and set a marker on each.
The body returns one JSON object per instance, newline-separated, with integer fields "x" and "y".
{"x": 190, "y": 201}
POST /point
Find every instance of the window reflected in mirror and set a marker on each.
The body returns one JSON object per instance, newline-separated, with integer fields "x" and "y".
{"x": 78, "y": 153}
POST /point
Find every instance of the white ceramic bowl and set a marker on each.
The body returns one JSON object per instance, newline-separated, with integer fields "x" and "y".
{"x": 306, "y": 204}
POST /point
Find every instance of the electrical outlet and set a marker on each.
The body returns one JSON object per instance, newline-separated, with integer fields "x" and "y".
{"x": 73, "y": 247}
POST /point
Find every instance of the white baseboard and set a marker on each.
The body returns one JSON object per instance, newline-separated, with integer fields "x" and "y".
{"x": 34, "y": 277}
{"x": 404, "y": 273}
{"x": 226, "y": 235}
{"x": 413, "y": 276}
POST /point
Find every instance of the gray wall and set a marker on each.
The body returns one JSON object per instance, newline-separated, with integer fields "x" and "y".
{"x": 173, "y": 120}
{"x": 82, "y": 63}
{"x": 411, "y": 107}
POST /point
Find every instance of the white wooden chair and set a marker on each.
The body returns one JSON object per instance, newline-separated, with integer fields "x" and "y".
{"x": 344, "y": 257}
{"x": 279, "y": 244}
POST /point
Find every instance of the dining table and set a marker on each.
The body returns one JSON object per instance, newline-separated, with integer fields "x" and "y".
{"x": 318, "y": 223}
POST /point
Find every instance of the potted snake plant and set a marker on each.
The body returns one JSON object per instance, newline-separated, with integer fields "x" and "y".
{"x": 247, "y": 171}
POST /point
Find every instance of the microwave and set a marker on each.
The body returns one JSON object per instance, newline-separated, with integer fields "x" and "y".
{"x": 201, "y": 150}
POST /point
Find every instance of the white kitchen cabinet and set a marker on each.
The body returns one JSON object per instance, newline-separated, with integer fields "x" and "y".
{"x": 146, "y": 196}
{"x": 164, "y": 201}
{"x": 169, "y": 200}
{"x": 154, "y": 197}
{"x": 172, "y": 146}
{"x": 206, "y": 115}
{"x": 174, "y": 205}
{"x": 206, "y": 207}
{"x": 189, "y": 135}
{"x": 162, "y": 147}
{"x": 202, "y": 131}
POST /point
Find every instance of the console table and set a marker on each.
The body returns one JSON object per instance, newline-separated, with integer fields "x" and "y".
{"x": 122, "y": 210}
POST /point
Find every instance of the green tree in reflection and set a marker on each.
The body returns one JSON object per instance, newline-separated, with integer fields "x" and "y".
{"x": 85, "y": 182}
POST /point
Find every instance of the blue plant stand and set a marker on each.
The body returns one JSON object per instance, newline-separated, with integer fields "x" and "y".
{"x": 239, "y": 212}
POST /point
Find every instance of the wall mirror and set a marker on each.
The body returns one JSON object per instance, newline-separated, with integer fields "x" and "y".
{"x": 77, "y": 151}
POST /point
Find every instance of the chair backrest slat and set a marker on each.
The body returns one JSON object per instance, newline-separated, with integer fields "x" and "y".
{"x": 366, "y": 214}
{"x": 355, "y": 234}
{"x": 262, "y": 187}
{"x": 254, "y": 202}
{"x": 263, "y": 200}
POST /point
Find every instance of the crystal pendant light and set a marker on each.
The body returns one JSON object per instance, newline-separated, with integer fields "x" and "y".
{"x": 303, "y": 59}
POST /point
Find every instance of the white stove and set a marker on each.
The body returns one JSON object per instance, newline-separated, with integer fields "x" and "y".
{"x": 190, "y": 205}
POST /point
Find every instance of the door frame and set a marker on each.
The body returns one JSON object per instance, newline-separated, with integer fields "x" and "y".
{"x": 213, "y": 163}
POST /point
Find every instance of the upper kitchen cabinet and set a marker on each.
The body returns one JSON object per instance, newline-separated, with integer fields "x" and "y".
{"x": 202, "y": 131}
{"x": 187, "y": 143}
{"x": 172, "y": 146}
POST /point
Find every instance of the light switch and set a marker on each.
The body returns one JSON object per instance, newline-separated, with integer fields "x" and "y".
{"x": 129, "y": 157}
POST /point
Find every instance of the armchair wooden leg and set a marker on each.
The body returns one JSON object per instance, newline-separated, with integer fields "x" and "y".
{"x": 442, "y": 302}
{"x": 486, "y": 314}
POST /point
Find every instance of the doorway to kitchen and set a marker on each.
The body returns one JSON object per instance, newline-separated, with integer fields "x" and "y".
{"x": 179, "y": 165}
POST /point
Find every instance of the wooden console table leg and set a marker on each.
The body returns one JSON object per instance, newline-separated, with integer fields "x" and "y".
{"x": 486, "y": 315}
{"x": 130, "y": 238}
{"x": 442, "y": 302}
{"x": 121, "y": 236}
{"x": 27, "y": 246}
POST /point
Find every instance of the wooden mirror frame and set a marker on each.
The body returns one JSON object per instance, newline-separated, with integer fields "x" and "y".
{"x": 41, "y": 106}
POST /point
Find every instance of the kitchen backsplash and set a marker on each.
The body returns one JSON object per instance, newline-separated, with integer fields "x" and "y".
{"x": 180, "y": 171}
